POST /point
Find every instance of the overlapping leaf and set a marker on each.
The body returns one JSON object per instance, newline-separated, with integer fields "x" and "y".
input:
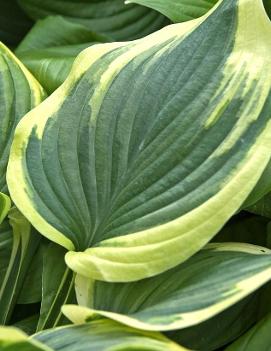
{"x": 151, "y": 146}
{"x": 114, "y": 18}
{"x": 208, "y": 283}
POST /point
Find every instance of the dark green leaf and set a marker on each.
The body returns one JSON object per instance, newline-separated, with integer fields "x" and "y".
{"x": 57, "y": 287}
{"x": 258, "y": 338}
{"x": 178, "y": 10}
{"x": 14, "y": 23}
{"x": 113, "y": 18}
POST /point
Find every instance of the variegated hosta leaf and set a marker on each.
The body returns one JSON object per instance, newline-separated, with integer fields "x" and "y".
{"x": 5, "y": 205}
{"x": 149, "y": 147}
{"x": 49, "y": 52}
{"x": 24, "y": 245}
{"x": 19, "y": 93}
{"x": 208, "y": 283}
{"x": 178, "y": 10}
{"x": 12, "y": 339}
{"x": 13, "y": 22}
{"x": 104, "y": 336}
{"x": 114, "y": 18}
{"x": 258, "y": 338}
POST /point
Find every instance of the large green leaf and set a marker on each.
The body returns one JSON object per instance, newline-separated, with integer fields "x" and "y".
{"x": 114, "y": 18}
{"x": 49, "y": 53}
{"x": 19, "y": 93}
{"x": 57, "y": 287}
{"x": 140, "y": 182}
{"x": 14, "y": 23}
{"x": 12, "y": 339}
{"x": 24, "y": 245}
{"x": 104, "y": 336}
{"x": 178, "y": 10}
{"x": 208, "y": 283}
{"x": 258, "y": 338}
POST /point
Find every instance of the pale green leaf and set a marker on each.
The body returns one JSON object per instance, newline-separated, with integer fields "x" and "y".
{"x": 149, "y": 147}
{"x": 209, "y": 282}
{"x": 49, "y": 52}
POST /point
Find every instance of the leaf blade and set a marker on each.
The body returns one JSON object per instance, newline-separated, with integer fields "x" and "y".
{"x": 159, "y": 184}
{"x": 207, "y": 284}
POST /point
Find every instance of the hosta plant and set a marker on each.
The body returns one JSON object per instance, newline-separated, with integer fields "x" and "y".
{"x": 135, "y": 175}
